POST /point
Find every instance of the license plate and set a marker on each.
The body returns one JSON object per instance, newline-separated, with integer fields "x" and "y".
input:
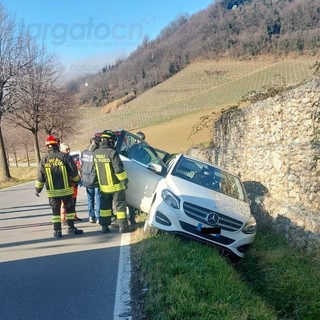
{"x": 208, "y": 230}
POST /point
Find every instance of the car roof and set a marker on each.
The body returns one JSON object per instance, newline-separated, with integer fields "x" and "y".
{"x": 75, "y": 153}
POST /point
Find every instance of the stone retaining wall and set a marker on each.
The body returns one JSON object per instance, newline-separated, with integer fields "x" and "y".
{"x": 274, "y": 145}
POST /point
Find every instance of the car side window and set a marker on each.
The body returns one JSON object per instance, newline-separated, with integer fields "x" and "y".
{"x": 139, "y": 153}
{"x": 137, "y": 149}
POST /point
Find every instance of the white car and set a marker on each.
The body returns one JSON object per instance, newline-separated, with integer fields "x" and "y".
{"x": 76, "y": 156}
{"x": 187, "y": 196}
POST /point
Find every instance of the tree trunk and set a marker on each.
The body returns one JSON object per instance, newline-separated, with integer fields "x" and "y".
{"x": 8, "y": 157}
{"x": 28, "y": 158}
{"x": 15, "y": 157}
{"x": 3, "y": 159}
{"x": 36, "y": 147}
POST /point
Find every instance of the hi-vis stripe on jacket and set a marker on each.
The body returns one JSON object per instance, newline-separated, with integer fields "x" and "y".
{"x": 110, "y": 170}
{"x": 58, "y": 172}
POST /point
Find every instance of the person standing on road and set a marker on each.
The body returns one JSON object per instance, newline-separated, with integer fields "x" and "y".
{"x": 90, "y": 180}
{"x": 113, "y": 182}
{"x": 131, "y": 211}
{"x": 65, "y": 148}
{"x": 58, "y": 172}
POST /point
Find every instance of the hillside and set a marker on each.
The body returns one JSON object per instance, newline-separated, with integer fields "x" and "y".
{"x": 227, "y": 29}
{"x": 168, "y": 112}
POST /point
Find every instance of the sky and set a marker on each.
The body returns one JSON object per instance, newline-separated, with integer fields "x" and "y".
{"x": 88, "y": 35}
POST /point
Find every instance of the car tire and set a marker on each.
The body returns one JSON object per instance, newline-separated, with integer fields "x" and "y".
{"x": 148, "y": 229}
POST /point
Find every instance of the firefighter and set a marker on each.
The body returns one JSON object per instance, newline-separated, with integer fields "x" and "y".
{"x": 113, "y": 182}
{"x": 58, "y": 172}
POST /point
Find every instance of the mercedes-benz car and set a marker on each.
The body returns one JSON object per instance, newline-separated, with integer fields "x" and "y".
{"x": 186, "y": 196}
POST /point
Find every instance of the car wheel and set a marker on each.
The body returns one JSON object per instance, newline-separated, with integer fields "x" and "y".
{"x": 148, "y": 229}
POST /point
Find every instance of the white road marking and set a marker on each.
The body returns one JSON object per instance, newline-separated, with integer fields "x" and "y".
{"x": 122, "y": 307}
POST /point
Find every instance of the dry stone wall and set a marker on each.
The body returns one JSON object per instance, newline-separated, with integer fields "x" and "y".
{"x": 274, "y": 145}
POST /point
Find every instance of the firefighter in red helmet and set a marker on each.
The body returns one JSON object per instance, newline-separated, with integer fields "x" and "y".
{"x": 57, "y": 171}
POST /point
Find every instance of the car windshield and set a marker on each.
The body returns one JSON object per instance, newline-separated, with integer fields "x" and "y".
{"x": 210, "y": 177}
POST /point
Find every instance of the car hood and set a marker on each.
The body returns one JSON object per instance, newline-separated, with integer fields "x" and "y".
{"x": 204, "y": 197}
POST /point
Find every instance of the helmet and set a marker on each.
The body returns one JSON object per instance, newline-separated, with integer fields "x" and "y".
{"x": 52, "y": 141}
{"x": 109, "y": 136}
{"x": 141, "y": 135}
{"x": 97, "y": 137}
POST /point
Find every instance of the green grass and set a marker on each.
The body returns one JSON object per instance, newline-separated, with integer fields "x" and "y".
{"x": 287, "y": 278}
{"x": 184, "y": 279}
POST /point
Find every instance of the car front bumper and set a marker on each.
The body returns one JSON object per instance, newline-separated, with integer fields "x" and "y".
{"x": 164, "y": 217}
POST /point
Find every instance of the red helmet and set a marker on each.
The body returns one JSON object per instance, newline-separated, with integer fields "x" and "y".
{"x": 51, "y": 140}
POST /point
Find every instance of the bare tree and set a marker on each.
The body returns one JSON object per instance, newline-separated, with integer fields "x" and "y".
{"x": 16, "y": 148}
{"x": 63, "y": 114}
{"x": 13, "y": 62}
{"x": 36, "y": 94}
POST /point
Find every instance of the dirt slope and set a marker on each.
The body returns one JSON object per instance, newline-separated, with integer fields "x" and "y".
{"x": 175, "y": 135}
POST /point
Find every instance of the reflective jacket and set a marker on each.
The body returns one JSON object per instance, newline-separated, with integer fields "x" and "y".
{"x": 57, "y": 171}
{"x": 110, "y": 170}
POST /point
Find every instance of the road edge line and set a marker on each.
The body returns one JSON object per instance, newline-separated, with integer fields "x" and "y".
{"x": 122, "y": 305}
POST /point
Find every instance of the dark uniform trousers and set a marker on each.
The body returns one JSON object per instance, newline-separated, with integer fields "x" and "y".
{"x": 55, "y": 204}
{"x": 108, "y": 200}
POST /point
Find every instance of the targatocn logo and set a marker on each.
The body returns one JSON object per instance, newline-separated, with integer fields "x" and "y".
{"x": 89, "y": 33}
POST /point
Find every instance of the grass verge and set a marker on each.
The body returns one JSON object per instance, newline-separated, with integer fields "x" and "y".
{"x": 176, "y": 278}
{"x": 18, "y": 175}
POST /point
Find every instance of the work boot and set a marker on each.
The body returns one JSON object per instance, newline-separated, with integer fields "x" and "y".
{"x": 74, "y": 230}
{"x": 131, "y": 215}
{"x": 105, "y": 229}
{"x": 124, "y": 226}
{"x": 104, "y": 221}
{"x": 127, "y": 229}
{"x": 57, "y": 234}
{"x": 115, "y": 224}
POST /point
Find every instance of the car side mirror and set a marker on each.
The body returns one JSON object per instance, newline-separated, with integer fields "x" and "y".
{"x": 155, "y": 167}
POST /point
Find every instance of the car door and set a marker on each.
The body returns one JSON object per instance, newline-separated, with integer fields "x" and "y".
{"x": 140, "y": 161}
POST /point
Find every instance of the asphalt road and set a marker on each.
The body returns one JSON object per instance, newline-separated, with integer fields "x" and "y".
{"x": 77, "y": 277}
